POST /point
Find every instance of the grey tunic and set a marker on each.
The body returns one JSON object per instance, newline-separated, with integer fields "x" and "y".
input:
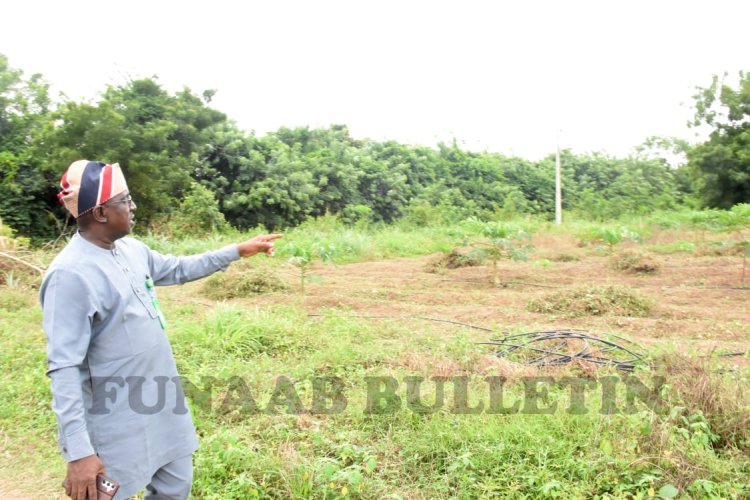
{"x": 114, "y": 381}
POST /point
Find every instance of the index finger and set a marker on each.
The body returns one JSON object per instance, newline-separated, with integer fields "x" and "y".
{"x": 271, "y": 237}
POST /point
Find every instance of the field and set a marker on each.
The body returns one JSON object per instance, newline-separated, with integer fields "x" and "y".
{"x": 379, "y": 304}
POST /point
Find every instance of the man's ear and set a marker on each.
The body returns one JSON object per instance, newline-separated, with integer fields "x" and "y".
{"x": 98, "y": 214}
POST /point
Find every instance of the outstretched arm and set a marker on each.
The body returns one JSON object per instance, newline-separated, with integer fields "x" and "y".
{"x": 171, "y": 270}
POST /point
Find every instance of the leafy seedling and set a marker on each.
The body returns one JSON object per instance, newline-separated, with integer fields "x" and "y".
{"x": 503, "y": 241}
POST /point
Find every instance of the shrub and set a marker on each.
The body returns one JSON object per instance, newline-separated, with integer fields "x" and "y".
{"x": 198, "y": 214}
{"x": 353, "y": 215}
{"x": 594, "y": 300}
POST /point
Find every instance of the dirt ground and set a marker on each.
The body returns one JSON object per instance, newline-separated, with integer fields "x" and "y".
{"x": 701, "y": 302}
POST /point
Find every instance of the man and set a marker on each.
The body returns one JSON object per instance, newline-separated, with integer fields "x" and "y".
{"x": 116, "y": 393}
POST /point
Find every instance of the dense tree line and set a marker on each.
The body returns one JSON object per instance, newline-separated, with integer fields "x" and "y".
{"x": 176, "y": 152}
{"x": 720, "y": 167}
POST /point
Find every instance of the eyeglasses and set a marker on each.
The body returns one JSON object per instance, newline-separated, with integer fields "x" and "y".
{"x": 124, "y": 201}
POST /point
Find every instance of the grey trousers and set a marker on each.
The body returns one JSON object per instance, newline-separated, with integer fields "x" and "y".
{"x": 172, "y": 482}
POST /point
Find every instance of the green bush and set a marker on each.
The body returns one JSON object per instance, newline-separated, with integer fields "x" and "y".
{"x": 356, "y": 215}
{"x": 198, "y": 214}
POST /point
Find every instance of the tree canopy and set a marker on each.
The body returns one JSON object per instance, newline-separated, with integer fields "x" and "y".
{"x": 177, "y": 152}
{"x": 720, "y": 166}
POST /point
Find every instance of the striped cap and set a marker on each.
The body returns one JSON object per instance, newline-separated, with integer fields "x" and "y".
{"x": 87, "y": 184}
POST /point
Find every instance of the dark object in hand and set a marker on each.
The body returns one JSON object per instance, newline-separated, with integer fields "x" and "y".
{"x": 105, "y": 487}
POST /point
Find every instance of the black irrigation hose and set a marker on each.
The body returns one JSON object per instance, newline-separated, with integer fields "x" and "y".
{"x": 727, "y": 354}
{"x": 571, "y": 331}
{"x": 550, "y": 356}
{"x": 590, "y": 354}
{"x": 454, "y": 323}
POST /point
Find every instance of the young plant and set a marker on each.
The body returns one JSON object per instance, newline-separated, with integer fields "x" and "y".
{"x": 505, "y": 241}
{"x": 302, "y": 257}
{"x": 610, "y": 238}
{"x": 11, "y": 280}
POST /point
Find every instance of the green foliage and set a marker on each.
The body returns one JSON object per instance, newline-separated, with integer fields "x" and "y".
{"x": 356, "y": 215}
{"x": 286, "y": 177}
{"x": 6, "y": 235}
{"x": 707, "y": 409}
{"x": 166, "y": 141}
{"x": 154, "y": 136}
{"x": 198, "y": 213}
{"x": 721, "y": 166}
{"x": 700, "y": 450}
{"x": 602, "y": 188}
{"x": 609, "y": 237}
{"x": 503, "y": 240}
{"x": 302, "y": 255}
{"x": 420, "y": 213}
{"x": 738, "y": 218}
{"x": 25, "y": 194}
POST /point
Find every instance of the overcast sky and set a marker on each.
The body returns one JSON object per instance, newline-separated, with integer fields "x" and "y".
{"x": 496, "y": 75}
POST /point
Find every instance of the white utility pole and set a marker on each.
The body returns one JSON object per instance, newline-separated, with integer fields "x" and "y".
{"x": 558, "y": 184}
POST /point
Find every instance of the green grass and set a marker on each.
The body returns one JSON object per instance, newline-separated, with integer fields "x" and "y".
{"x": 403, "y": 454}
{"x": 336, "y": 241}
{"x": 673, "y": 247}
{"x": 692, "y": 448}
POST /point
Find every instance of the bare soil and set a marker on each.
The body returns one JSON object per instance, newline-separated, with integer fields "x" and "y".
{"x": 701, "y": 302}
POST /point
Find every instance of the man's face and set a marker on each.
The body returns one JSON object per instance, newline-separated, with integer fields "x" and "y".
{"x": 119, "y": 212}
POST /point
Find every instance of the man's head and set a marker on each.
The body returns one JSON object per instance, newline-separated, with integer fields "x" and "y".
{"x": 96, "y": 194}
